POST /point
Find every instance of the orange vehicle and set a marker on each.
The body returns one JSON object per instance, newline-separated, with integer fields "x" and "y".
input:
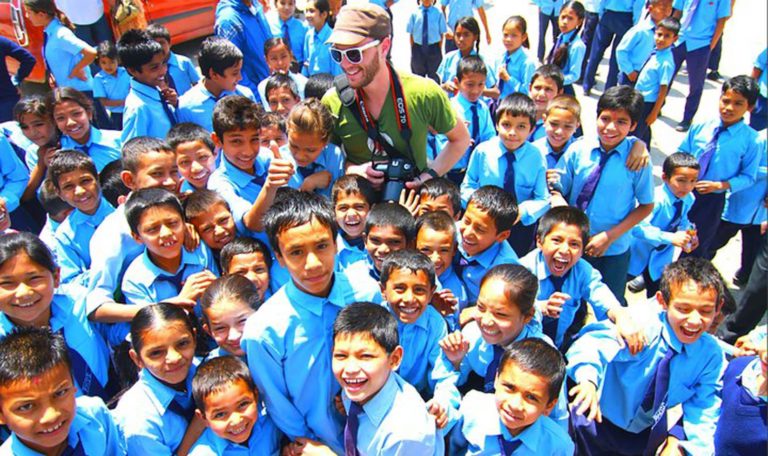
{"x": 185, "y": 19}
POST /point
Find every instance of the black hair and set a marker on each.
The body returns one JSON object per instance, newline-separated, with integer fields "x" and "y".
{"x": 353, "y": 184}
{"x": 519, "y": 22}
{"x": 679, "y": 160}
{"x": 235, "y": 112}
{"x": 274, "y": 42}
{"x": 50, "y": 200}
{"x": 471, "y": 64}
{"x": 107, "y": 49}
{"x": 12, "y": 244}
{"x": 745, "y": 86}
{"x": 136, "y": 48}
{"x": 560, "y": 57}
{"x": 394, "y": 215}
{"x": 537, "y": 357}
{"x": 216, "y": 375}
{"x": 549, "y": 71}
{"x": 130, "y": 156}
{"x": 622, "y": 98}
{"x": 699, "y": 270}
{"x": 299, "y": 209}
{"x": 50, "y": 8}
{"x": 520, "y": 285}
{"x": 567, "y": 215}
{"x": 499, "y": 204}
{"x": 280, "y": 80}
{"x": 437, "y": 221}
{"x": 318, "y": 83}
{"x": 66, "y": 161}
{"x": 322, "y": 6}
{"x": 112, "y": 185}
{"x": 61, "y": 94}
{"x": 312, "y": 117}
{"x": 32, "y": 104}
{"x": 185, "y": 132}
{"x": 441, "y": 186}
{"x": 470, "y": 23}
{"x": 270, "y": 118}
{"x": 517, "y": 105}
{"x": 670, "y": 23}
{"x": 368, "y": 320}
{"x": 156, "y": 31}
{"x": 200, "y": 201}
{"x": 157, "y": 316}
{"x": 243, "y": 246}
{"x": 29, "y": 352}
{"x": 230, "y": 288}
{"x": 409, "y": 259}
{"x": 217, "y": 54}
{"x": 147, "y": 198}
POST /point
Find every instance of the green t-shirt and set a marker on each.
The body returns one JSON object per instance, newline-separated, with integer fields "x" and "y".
{"x": 428, "y": 106}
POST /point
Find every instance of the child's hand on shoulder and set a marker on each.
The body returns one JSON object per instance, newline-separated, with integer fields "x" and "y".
{"x": 467, "y": 315}
{"x": 306, "y": 446}
{"x": 598, "y": 244}
{"x": 639, "y": 157}
{"x": 556, "y": 200}
{"x": 586, "y": 400}
{"x": 320, "y": 179}
{"x": 554, "y": 305}
{"x": 438, "y": 411}
{"x": 196, "y": 284}
{"x": 455, "y": 347}
{"x": 280, "y": 169}
{"x": 630, "y": 334}
{"x": 451, "y": 86}
{"x": 445, "y": 302}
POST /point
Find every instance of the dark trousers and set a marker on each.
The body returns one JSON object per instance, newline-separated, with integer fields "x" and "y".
{"x": 6, "y": 108}
{"x": 116, "y": 119}
{"x": 568, "y": 90}
{"x": 696, "y": 62}
{"x": 587, "y": 36}
{"x": 750, "y": 244}
{"x": 714, "y": 56}
{"x": 614, "y": 270}
{"x": 523, "y": 238}
{"x": 94, "y": 34}
{"x": 651, "y": 286}
{"x": 100, "y": 116}
{"x": 624, "y": 80}
{"x": 758, "y": 119}
{"x": 598, "y": 439}
{"x": 643, "y": 130}
{"x": 611, "y": 28}
{"x": 705, "y": 213}
{"x": 425, "y": 60}
{"x": 544, "y": 22}
{"x": 752, "y": 305}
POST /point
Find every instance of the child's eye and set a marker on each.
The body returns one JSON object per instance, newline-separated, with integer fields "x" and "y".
{"x": 219, "y": 415}
{"x": 339, "y": 356}
{"x": 531, "y": 398}
{"x": 62, "y": 392}
{"x": 24, "y": 407}
{"x": 244, "y": 404}
{"x": 155, "y": 354}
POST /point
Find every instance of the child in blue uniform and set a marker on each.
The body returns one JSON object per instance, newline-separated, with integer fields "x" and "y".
{"x": 195, "y": 153}
{"x": 38, "y": 393}
{"x": 352, "y": 198}
{"x": 251, "y": 259}
{"x": 467, "y": 37}
{"x": 228, "y": 402}
{"x": 389, "y": 227}
{"x": 568, "y": 50}
{"x": 516, "y": 66}
{"x": 279, "y": 59}
{"x": 546, "y": 83}
{"x": 293, "y": 31}
{"x": 458, "y": 10}
{"x": 636, "y": 46}
{"x": 317, "y": 53}
{"x": 549, "y": 12}
{"x": 112, "y": 84}
{"x": 561, "y": 120}
{"x": 182, "y": 73}
{"x": 440, "y": 194}
{"x": 226, "y": 305}
{"x": 426, "y": 28}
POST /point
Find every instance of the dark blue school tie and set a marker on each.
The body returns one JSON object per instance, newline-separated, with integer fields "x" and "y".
{"x": 549, "y": 325}
{"x": 287, "y": 36}
{"x": 350, "y": 429}
{"x": 176, "y": 280}
{"x": 306, "y": 171}
{"x": 76, "y": 451}
{"x": 505, "y": 63}
{"x": 709, "y": 151}
{"x": 84, "y": 376}
{"x": 553, "y": 52}
{"x": 509, "y": 174}
{"x": 677, "y": 217}
{"x": 462, "y": 264}
{"x": 656, "y": 397}
{"x": 259, "y": 180}
{"x": 508, "y": 448}
{"x": 653, "y": 53}
{"x": 490, "y": 373}
{"x": 475, "y": 125}
{"x": 169, "y": 80}
{"x": 425, "y": 28}
{"x": 588, "y": 191}
{"x": 168, "y": 110}
{"x": 186, "y": 412}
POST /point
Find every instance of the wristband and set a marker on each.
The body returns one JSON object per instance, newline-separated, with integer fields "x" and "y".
{"x": 431, "y": 172}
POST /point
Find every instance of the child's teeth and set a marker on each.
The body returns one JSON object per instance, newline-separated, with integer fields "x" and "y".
{"x": 55, "y": 428}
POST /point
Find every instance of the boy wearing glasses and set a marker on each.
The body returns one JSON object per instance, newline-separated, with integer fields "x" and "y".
{"x": 360, "y": 43}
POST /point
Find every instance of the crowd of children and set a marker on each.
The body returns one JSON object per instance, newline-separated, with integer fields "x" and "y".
{"x": 191, "y": 271}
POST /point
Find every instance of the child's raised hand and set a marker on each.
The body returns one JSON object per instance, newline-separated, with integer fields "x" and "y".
{"x": 191, "y": 237}
{"x": 320, "y": 179}
{"x": 280, "y": 169}
{"x": 639, "y": 157}
{"x": 467, "y": 315}
{"x": 554, "y": 305}
{"x": 598, "y": 244}
{"x": 585, "y": 399}
{"x": 196, "y": 284}
{"x": 409, "y": 199}
{"x": 445, "y": 302}
{"x": 503, "y": 75}
{"x": 681, "y": 239}
{"x": 439, "y": 412}
{"x": 455, "y": 348}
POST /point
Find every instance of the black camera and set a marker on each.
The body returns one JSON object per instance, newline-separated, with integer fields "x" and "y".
{"x": 397, "y": 172}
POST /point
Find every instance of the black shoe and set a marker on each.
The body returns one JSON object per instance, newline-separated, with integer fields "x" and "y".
{"x": 683, "y": 126}
{"x": 714, "y": 76}
{"x": 587, "y": 92}
{"x": 637, "y": 284}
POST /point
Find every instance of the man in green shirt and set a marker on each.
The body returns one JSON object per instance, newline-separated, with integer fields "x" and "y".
{"x": 361, "y": 41}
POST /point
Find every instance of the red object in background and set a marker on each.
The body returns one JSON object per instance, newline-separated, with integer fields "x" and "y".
{"x": 185, "y": 19}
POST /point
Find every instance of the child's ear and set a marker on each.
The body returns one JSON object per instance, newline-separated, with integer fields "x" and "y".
{"x": 136, "y": 238}
{"x": 456, "y": 80}
{"x": 632, "y": 128}
{"x": 502, "y": 236}
{"x": 538, "y": 242}
{"x": 383, "y": 287}
{"x": 56, "y": 277}
{"x": 200, "y": 415}
{"x": 207, "y": 329}
{"x": 127, "y": 178}
{"x": 660, "y": 299}
{"x": 216, "y": 140}
{"x": 396, "y": 357}
{"x": 550, "y": 406}
{"x": 135, "y": 358}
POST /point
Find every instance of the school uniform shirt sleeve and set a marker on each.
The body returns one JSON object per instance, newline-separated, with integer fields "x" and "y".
{"x": 625, "y": 48}
{"x": 590, "y": 354}
{"x": 99, "y": 432}
{"x": 14, "y": 176}
{"x": 533, "y": 196}
{"x": 572, "y": 70}
{"x": 750, "y": 160}
{"x": 746, "y": 206}
{"x": 702, "y": 26}
{"x": 62, "y": 52}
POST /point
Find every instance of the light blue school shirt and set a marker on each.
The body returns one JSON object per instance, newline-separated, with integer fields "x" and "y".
{"x": 331, "y": 159}
{"x": 103, "y": 146}
{"x": 112, "y": 249}
{"x": 395, "y": 422}
{"x": 47, "y": 233}
{"x": 480, "y": 428}
{"x": 488, "y": 165}
{"x": 472, "y": 275}
{"x": 12, "y": 132}
{"x": 449, "y": 66}
{"x": 522, "y": 64}
{"x": 62, "y": 53}
{"x": 694, "y": 377}
{"x": 658, "y": 72}
{"x": 546, "y": 151}
{"x": 636, "y": 46}
{"x": 486, "y": 128}
{"x": 346, "y": 253}
{"x": 582, "y": 282}
{"x": 435, "y": 22}
{"x": 248, "y": 29}
{"x": 761, "y": 63}
{"x": 197, "y": 104}
{"x": 92, "y": 426}
{"x": 144, "y": 114}
{"x": 576, "y": 52}
{"x": 112, "y": 87}
{"x": 364, "y": 274}
{"x": 143, "y": 417}
{"x": 184, "y": 73}
{"x": 13, "y": 175}
{"x": 238, "y": 188}
{"x": 539, "y": 131}
{"x": 651, "y": 239}
{"x": 746, "y": 206}
{"x": 549, "y": 7}
{"x": 317, "y": 53}
{"x": 702, "y": 27}
{"x": 143, "y": 283}
{"x": 736, "y": 158}
{"x": 71, "y": 242}
{"x": 460, "y": 8}
{"x": 264, "y": 441}
{"x": 617, "y": 192}
{"x": 288, "y": 344}
{"x": 69, "y": 317}
{"x": 297, "y": 30}
{"x": 298, "y": 78}
{"x": 450, "y": 280}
